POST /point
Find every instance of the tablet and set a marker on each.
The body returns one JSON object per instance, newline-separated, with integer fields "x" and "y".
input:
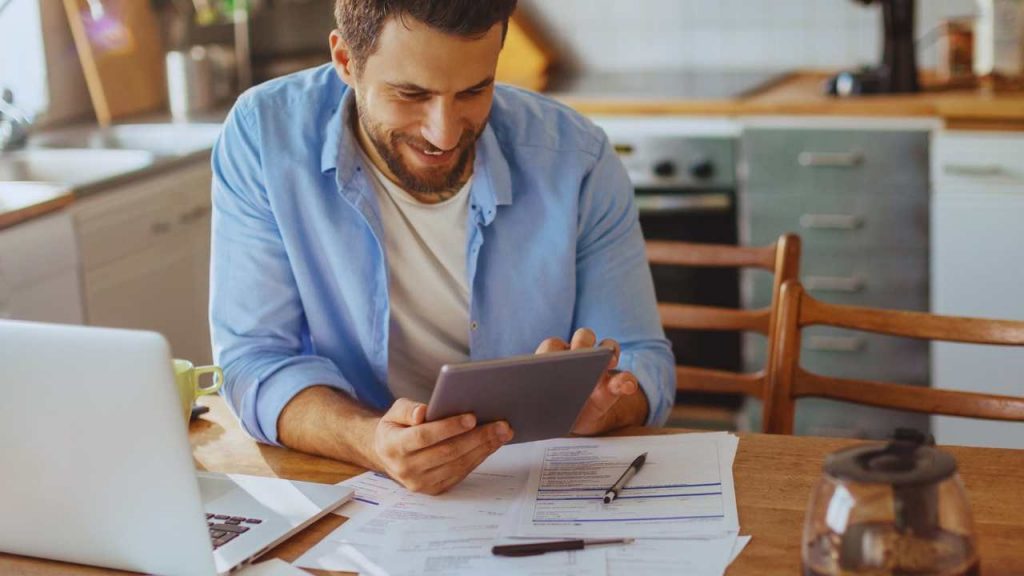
{"x": 540, "y": 395}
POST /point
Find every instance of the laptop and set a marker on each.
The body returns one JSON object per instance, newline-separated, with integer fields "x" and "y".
{"x": 98, "y": 468}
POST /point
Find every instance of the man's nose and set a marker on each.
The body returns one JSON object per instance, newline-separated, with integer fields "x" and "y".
{"x": 441, "y": 127}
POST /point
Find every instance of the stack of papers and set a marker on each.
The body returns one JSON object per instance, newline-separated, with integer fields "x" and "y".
{"x": 680, "y": 507}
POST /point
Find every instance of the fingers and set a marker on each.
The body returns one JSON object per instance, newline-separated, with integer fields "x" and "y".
{"x": 449, "y": 453}
{"x": 442, "y": 478}
{"x": 552, "y": 345}
{"x": 583, "y": 338}
{"x": 405, "y": 412}
{"x": 595, "y": 417}
{"x": 415, "y": 438}
{"x": 612, "y": 345}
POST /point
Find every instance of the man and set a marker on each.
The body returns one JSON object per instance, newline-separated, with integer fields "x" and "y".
{"x": 394, "y": 211}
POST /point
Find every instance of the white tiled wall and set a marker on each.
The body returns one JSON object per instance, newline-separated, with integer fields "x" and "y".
{"x": 651, "y": 34}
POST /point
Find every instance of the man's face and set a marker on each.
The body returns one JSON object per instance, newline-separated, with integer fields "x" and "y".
{"x": 423, "y": 98}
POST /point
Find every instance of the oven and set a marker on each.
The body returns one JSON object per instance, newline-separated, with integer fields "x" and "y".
{"x": 684, "y": 175}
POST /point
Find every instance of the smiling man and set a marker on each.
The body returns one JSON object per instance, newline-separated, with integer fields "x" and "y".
{"x": 394, "y": 211}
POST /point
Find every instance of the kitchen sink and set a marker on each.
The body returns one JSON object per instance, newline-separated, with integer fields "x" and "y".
{"x": 74, "y": 167}
{"x": 160, "y": 139}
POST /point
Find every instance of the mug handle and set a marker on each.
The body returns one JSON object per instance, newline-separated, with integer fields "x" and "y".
{"x": 216, "y": 382}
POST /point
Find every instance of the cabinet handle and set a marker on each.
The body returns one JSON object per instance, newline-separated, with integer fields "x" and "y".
{"x": 834, "y": 343}
{"x": 834, "y": 283}
{"x": 831, "y": 221}
{"x": 159, "y": 228}
{"x": 674, "y": 203}
{"x": 830, "y": 159}
{"x": 975, "y": 170}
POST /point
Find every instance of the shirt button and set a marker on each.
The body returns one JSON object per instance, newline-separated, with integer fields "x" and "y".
{"x": 473, "y": 325}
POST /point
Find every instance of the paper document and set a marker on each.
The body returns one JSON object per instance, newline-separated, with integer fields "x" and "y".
{"x": 694, "y": 557}
{"x": 272, "y": 567}
{"x": 373, "y": 490}
{"x": 449, "y": 535}
{"x": 685, "y": 488}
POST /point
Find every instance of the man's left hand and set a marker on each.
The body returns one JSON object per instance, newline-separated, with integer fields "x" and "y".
{"x": 615, "y": 401}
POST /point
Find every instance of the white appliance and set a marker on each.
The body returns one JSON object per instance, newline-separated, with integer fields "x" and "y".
{"x": 977, "y": 252}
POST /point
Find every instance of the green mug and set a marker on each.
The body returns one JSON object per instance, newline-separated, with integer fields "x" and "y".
{"x": 187, "y": 378}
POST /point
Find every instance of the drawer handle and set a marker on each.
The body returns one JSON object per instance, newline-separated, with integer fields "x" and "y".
{"x": 834, "y": 343}
{"x": 830, "y": 159}
{"x": 847, "y": 284}
{"x": 975, "y": 170}
{"x": 675, "y": 203}
{"x": 831, "y": 221}
{"x": 159, "y": 228}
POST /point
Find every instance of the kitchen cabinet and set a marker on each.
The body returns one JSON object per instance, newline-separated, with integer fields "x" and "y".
{"x": 39, "y": 271}
{"x": 857, "y": 194}
{"x": 145, "y": 250}
{"x": 977, "y": 238}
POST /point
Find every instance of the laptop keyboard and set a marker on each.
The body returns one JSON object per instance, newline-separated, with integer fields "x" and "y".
{"x": 224, "y": 528}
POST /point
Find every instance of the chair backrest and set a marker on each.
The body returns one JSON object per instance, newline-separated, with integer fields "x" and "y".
{"x": 789, "y": 381}
{"x": 781, "y": 258}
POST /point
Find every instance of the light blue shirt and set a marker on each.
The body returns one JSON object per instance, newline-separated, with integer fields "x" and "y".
{"x": 299, "y": 288}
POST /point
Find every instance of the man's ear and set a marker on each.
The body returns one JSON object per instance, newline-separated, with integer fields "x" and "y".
{"x": 341, "y": 56}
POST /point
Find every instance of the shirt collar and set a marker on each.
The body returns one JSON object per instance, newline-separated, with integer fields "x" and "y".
{"x": 492, "y": 178}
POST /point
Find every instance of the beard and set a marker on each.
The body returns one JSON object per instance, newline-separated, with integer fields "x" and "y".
{"x": 439, "y": 181}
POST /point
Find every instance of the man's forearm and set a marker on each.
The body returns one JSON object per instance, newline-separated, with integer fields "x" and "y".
{"x": 323, "y": 421}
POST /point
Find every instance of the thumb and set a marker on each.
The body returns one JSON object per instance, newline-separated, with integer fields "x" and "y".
{"x": 405, "y": 412}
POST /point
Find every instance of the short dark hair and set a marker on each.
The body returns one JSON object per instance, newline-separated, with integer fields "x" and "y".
{"x": 360, "y": 21}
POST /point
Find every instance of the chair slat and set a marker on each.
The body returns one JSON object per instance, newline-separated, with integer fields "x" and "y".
{"x": 693, "y": 379}
{"x": 910, "y": 398}
{"x": 693, "y": 317}
{"x": 669, "y": 253}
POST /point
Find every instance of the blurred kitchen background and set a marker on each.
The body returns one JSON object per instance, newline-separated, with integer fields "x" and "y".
{"x": 888, "y": 134}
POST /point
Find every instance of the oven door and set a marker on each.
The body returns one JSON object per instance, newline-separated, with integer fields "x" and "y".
{"x": 703, "y": 216}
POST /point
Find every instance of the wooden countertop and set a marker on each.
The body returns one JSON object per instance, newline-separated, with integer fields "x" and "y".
{"x": 773, "y": 474}
{"x": 800, "y": 94}
{"x": 21, "y": 201}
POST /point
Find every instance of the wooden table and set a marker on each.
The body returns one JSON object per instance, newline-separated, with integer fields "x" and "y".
{"x": 773, "y": 474}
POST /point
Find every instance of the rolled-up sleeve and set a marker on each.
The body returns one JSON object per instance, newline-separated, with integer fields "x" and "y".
{"x": 259, "y": 330}
{"x": 615, "y": 291}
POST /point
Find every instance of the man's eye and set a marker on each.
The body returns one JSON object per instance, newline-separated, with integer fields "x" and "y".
{"x": 412, "y": 95}
{"x": 472, "y": 93}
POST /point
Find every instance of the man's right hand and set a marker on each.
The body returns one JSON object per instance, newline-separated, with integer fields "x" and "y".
{"x": 431, "y": 457}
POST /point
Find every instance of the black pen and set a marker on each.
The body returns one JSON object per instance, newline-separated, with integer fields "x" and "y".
{"x": 535, "y": 548}
{"x": 613, "y": 492}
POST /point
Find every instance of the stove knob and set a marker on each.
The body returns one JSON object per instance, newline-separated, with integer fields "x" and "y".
{"x": 665, "y": 169}
{"x": 702, "y": 169}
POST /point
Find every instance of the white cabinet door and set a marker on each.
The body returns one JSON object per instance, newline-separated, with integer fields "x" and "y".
{"x": 145, "y": 248}
{"x": 149, "y": 290}
{"x": 977, "y": 240}
{"x": 39, "y": 275}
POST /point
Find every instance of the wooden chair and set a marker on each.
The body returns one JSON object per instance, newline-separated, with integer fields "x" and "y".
{"x": 788, "y": 381}
{"x": 781, "y": 258}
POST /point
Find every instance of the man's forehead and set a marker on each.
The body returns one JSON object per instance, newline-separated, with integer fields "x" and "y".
{"x": 411, "y": 52}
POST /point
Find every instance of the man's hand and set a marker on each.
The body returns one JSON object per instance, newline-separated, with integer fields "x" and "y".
{"x": 614, "y": 403}
{"x": 423, "y": 456}
{"x": 432, "y": 457}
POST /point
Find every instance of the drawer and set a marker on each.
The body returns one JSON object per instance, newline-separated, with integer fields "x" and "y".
{"x": 820, "y": 417}
{"x": 37, "y": 249}
{"x": 978, "y": 158}
{"x": 850, "y": 354}
{"x": 124, "y": 221}
{"x": 826, "y": 160}
{"x": 899, "y": 281}
{"x": 830, "y": 221}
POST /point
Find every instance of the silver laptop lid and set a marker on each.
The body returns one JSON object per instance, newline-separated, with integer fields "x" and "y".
{"x": 97, "y": 465}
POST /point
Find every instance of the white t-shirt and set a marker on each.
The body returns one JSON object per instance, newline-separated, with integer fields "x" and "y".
{"x": 425, "y": 246}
